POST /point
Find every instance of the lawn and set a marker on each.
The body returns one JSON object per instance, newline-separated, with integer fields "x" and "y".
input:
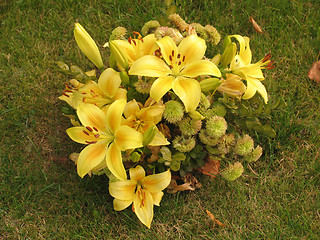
{"x": 41, "y": 195}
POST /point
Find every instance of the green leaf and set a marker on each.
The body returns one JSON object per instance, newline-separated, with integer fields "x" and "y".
{"x": 269, "y": 131}
{"x": 63, "y": 66}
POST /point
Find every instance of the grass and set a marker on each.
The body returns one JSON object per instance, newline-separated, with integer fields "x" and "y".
{"x": 41, "y": 197}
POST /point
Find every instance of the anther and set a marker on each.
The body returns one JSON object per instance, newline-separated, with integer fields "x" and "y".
{"x": 179, "y": 63}
{"x": 94, "y": 128}
{"x": 64, "y": 94}
{"x": 178, "y": 55}
{"x": 170, "y": 57}
{"x": 184, "y": 58}
{"x": 89, "y": 128}
{"x": 90, "y": 142}
{"x": 172, "y": 53}
{"x": 134, "y": 42}
{"x": 129, "y": 40}
{"x": 85, "y": 132}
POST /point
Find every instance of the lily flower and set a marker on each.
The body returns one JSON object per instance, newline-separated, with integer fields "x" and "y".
{"x": 177, "y": 71}
{"x": 133, "y": 49}
{"x": 141, "y": 118}
{"x": 101, "y": 94}
{"x": 106, "y": 138}
{"x": 232, "y": 85}
{"x": 87, "y": 45}
{"x": 251, "y": 72}
{"x": 143, "y": 191}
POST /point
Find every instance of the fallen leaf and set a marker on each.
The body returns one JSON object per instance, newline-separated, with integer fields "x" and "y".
{"x": 255, "y": 25}
{"x": 190, "y": 179}
{"x": 214, "y": 219}
{"x": 211, "y": 168}
{"x": 314, "y": 72}
{"x": 174, "y": 187}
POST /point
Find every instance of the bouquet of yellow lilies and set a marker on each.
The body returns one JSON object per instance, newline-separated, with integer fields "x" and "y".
{"x": 161, "y": 109}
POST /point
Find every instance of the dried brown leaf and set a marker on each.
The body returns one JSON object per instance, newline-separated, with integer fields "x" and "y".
{"x": 255, "y": 25}
{"x": 214, "y": 219}
{"x": 211, "y": 168}
{"x": 174, "y": 187}
{"x": 190, "y": 179}
{"x": 314, "y": 72}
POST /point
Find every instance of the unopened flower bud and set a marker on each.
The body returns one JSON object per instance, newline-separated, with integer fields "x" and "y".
{"x": 87, "y": 45}
{"x": 228, "y": 54}
{"x": 232, "y": 172}
{"x": 119, "y": 55}
{"x": 124, "y": 77}
{"x": 148, "y": 135}
{"x": 207, "y": 139}
{"x": 209, "y": 84}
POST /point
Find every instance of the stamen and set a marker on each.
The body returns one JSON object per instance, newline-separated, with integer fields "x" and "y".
{"x": 85, "y": 132}
{"x": 65, "y": 94}
{"x": 83, "y": 93}
{"x": 134, "y": 42}
{"x": 129, "y": 40}
{"x": 83, "y": 99}
{"x": 90, "y": 142}
{"x": 68, "y": 91}
{"x": 172, "y": 53}
{"x": 170, "y": 57}
{"x": 97, "y": 135}
{"x": 94, "y": 128}
{"x": 92, "y": 91}
{"x": 89, "y": 128}
{"x": 179, "y": 63}
{"x": 266, "y": 57}
{"x": 178, "y": 55}
{"x": 184, "y": 58}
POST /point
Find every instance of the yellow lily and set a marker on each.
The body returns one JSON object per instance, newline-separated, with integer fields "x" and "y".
{"x": 101, "y": 94}
{"x": 106, "y": 138}
{"x": 143, "y": 117}
{"x": 133, "y": 49}
{"x": 143, "y": 191}
{"x": 87, "y": 45}
{"x": 232, "y": 85}
{"x": 180, "y": 66}
{"x": 252, "y": 73}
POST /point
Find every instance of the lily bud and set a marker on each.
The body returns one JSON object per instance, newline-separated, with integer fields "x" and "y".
{"x": 124, "y": 77}
{"x": 119, "y": 55}
{"x": 148, "y": 136}
{"x": 87, "y": 45}
{"x": 228, "y": 54}
{"x": 209, "y": 84}
{"x": 195, "y": 115}
{"x": 216, "y": 59}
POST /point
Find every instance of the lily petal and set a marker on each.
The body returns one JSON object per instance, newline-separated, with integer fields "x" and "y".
{"x": 168, "y": 46}
{"x": 156, "y": 182}
{"x": 254, "y": 85}
{"x": 193, "y": 48}
{"x": 91, "y": 116}
{"x": 114, "y": 162}
{"x": 90, "y": 157}
{"x": 143, "y": 206}
{"x": 189, "y": 91}
{"x": 120, "y": 94}
{"x": 131, "y": 108}
{"x": 114, "y": 114}
{"x": 159, "y": 139}
{"x": 120, "y": 205}
{"x": 128, "y": 138}
{"x": 137, "y": 173}
{"x": 151, "y": 66}
{"x": 157, "y": 198}
{"x": 109, "y": 81}
{"x": 149, "y": 45}
{"x": 160, "y": 87}
{"x": 78, "y": 135}
{"x": 123, "y": 190}
{"x": 202, "y": 67}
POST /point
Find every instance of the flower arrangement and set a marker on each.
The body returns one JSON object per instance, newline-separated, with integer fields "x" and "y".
{"x": 161, "y": 109}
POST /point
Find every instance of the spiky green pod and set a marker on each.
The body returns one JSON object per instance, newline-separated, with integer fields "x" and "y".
{"x": 189, "y": 127}
{"x": 244, "y": 145}
{"x": 173, "y": 111}
{"x": 254, "y": 155}
{"x": 207, "y": 139}
{"x": 150, "y": 27}
{"x": 184, "y": 143}
{"x": 216, "y": 126}
{"x": 232, "y": 172}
